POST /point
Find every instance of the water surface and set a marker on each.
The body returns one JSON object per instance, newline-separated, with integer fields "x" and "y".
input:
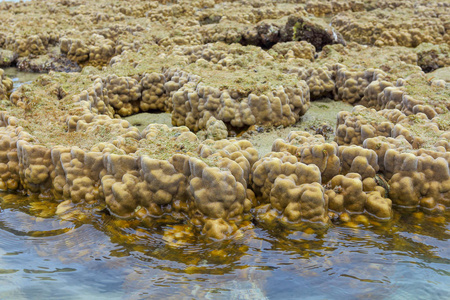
{"x": 20, "y": 78}
{"x": 84, "y": 253}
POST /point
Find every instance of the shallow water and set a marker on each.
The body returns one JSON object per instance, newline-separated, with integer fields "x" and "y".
{"x": 19, "y": 78}
{"x": 87, "y": 254}
{"x": 83, "y": 253}
{"x": 142, "y": 120}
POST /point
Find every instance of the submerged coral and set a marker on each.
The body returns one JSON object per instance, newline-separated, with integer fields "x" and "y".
{"x": 225, "y": 70}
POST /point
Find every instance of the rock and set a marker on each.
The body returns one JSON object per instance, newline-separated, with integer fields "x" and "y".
{"x": 301, "y": 29}
{"x": 46, "y": 63}
{"x": 7, "y": 57}
{"x": 440, "y": 74}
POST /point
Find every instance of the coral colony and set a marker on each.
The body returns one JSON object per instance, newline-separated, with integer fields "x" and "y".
{"x": 220, "y": 67}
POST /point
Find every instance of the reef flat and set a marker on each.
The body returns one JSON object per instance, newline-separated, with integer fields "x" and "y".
{"x": 228, "y": 71}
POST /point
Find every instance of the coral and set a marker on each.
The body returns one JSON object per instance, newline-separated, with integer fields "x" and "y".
{"x": 319, "y": 9}
{"x": 292, "y": 188}
{"x": 397, "y": 28}
{"x": 339, "y": 82}
{"x": 212, "y": 187}
{"x": 266, "y": 170}
{"x": 381, "y": 144}
{"x": 154, "y": 95}
{"x": 7, "y": 57}
{"x": 355, "y": 159}
{"x": 123, "y": 94}
{"x": 311, "y": 150}
{"x": 242, "y": 152}
{"x": 281, "y": 106}
{"x": 217, "y": 229}
{"x": 305, "y": 202}
{"x": 97, "y": 54}
{"x": 420, "y": 179}
{"x": 374, "y": 91}
{"x": 9, "y": 163}
{"x": 6, "y": 85}
{"x": 432, "y": 57}
{"x": 347, "y": 194}
{"x": 323, "y": 8}
{"x": 246, "y": 102}
{"x": 215, "y": 129}
{"x": 152, "y": 180}
{"x": 351, "y": 86}
{"x": 300, "y": 49}
{"x": 220, "y": 67}
{"x": 29, "y": 45}
{"x": 320, "y": 80}
{"x": 353, "y": 128}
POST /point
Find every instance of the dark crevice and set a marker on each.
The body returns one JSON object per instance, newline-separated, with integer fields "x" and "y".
{"x": 266, "y": 35}
{"x": 57, "y": 63}
{"x": 429, "y": 68}
{"x": 329, "y": 95}
{"x": 36, "y": 64}
{"x": 236, "y": 131}
{"x": 8, "y": 61}
{"x": 210, "y": 20}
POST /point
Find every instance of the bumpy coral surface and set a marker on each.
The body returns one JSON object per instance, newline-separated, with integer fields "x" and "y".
{"x": 224, "y": 69}
{"x": 6, "y": 85}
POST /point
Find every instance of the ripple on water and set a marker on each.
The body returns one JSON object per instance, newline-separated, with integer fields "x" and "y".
{"x": 72, "y": 251}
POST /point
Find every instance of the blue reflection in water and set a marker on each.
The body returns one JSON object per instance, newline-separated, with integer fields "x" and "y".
{"x": 104, "y": 257}
{"x": 54, "y": 267}
{"x": 45, "y": 256}
{"x": 20, "y": 78}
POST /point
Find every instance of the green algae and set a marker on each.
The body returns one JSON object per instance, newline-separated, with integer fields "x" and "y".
{"x": 421, "y": 89}
{"x": 249, "y": 69}
{"x": 42, "y": 113}
{"x": 142, "y": 120}
{"x": 165, "y": 144}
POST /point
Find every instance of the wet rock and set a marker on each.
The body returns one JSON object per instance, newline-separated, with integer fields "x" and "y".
{"x": 266, "y": 34}
{"x": 246, "y": 135}
{"x": 269, "y": 34}
{"x": 324, "y": 129}
{"x": 440, "y": 74}
{"x": 260, "y": 129}
{"x": 7, "y": 57}
{"x": 300, "y": 29}
{"x": 46, "y": 63}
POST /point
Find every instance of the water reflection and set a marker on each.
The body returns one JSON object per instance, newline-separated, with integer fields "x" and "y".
{"x": 20, "y": 78}
{"x": 82, "y": 252}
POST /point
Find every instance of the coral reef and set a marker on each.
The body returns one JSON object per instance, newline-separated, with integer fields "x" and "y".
{"x": 311, "y": 149}
{"x": 407, "y": 27}
{"x": 292, "y": 188}
{"x": 6, "y": 85}
{"x": 225, "y": 70}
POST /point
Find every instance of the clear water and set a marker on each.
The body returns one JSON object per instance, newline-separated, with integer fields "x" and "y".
{"x": 19, "y": 78}
{"x": 83, "y": 253}
{"x": 87, "y": 254}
